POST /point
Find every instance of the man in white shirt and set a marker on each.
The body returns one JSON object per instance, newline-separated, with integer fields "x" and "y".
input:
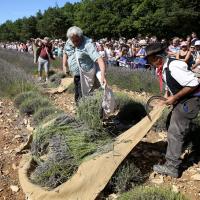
{"x": 183, "y": 92}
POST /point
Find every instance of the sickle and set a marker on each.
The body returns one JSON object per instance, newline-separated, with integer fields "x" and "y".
{"x": 147, "y": 107}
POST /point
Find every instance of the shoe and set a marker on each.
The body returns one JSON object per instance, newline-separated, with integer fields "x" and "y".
{"x": 166, "y": 170}
{"x": 46, "y": 80}
{"x": 39, "y": 78}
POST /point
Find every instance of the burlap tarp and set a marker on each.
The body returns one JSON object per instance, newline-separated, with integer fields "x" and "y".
{"x": 92, "y": 175}
{"x": 65, "y": 83}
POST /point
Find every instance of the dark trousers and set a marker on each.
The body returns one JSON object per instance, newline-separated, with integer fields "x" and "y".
{"x": 77, "y": 89}
{"x": 179, "y": 128}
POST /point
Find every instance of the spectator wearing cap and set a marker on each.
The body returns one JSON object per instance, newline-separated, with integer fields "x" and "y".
{"x": 44, "y": 53}
{"x": 184, "y": 54}
{"x": 182, "y": 91}
{"x": 197, "y": 50}
{"x": 140, "y": 60}
{"x": 174, "y": 48}
{"x": 196, "y": 55}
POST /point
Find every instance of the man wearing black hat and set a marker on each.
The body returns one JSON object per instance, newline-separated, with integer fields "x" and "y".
{"x": 183, "y": 92}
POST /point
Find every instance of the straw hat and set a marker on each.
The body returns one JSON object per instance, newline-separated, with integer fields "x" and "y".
{"x": 142, "y": 43}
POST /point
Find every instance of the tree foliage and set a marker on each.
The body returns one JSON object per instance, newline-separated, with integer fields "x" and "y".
{"x": 109, "y": 18}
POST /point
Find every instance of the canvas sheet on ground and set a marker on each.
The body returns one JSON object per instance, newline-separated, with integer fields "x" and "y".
{"x": 65, "y": 83}
{"x": 92, "y": 175}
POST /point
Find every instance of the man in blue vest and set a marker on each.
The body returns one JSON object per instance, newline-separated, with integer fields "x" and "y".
{"x": 183, "y": 92}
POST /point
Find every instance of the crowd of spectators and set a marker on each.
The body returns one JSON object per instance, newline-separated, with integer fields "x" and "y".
{"x": 57, "y": 46}
{"x": 124, "y": 52}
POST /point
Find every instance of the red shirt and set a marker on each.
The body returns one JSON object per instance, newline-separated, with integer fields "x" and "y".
{"x": 43, "y": 52}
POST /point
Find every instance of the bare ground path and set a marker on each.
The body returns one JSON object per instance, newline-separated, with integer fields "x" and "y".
{"x": 13, "y": 133}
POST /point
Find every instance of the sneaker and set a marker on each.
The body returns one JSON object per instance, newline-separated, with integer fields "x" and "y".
{"x": 166, "y": 170}
{"x": 39, "y": 78}
{"x": 46, "y": 80}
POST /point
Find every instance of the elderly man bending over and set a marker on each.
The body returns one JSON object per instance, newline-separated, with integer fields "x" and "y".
{"x": 83, "y": 61}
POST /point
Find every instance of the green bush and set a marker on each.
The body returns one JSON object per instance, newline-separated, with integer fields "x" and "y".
{"x": 18, "y": 100}
{"x": 22, "y": 61}
{"x": 14, "y": 80}
{"x": 57, "y": 63}
{"x": 130, "y": 111}
{"x": 133, "y": 80}
{"x": 56, "y": 78}
{"x": 59, "y": 165}
{"x": 31, "y": 105}
{"x": 43, "y": 113}
{"x": 17, "y": 87}
{"x": 127, "y": 176}
{"x": 70, "y": 88}
{"x": 64, "y": 145}
{"x": 89, "y": 109}
{"x": 151, "y": 193}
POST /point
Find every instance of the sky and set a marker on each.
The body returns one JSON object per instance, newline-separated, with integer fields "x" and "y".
{"x": 15, "y": 9}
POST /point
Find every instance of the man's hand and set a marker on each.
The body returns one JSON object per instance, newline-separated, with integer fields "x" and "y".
{"x": 171, "y": 100}
{"x": 103, "y": 79}
{"x": 102, "y": 67}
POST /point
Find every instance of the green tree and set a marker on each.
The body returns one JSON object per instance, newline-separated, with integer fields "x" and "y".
{"x": 52, "y": 23}
{"x": 7, "y": 31}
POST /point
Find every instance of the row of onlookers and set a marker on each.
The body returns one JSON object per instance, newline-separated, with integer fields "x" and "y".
{"x": 123, "y": 52}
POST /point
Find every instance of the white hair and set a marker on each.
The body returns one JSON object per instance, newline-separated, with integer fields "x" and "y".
{"x": 74, "y": 30}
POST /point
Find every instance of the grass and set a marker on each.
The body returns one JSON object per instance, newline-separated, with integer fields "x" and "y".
{"x": 31, "y": 105}
{"x": 74, "y": 134}
{"x": 151, "y": 193}
{"x": 76, "y": 137}
{"x": 14, "y": 80}
{"x": 55, "y": 79}
{"x": 58, "y": 167}
{"x": 57, "y": 63}
{"x": 63, "y": 155}
{"x": 130, "y": 111}
{"x": 127, "y": 176}
{"x": 89, "y": 110}
{"x": 18, "y": 100}
{"x": 77, "y": 149}
{"x": 19, "y": 60}
{"x": 133, "y": 80}
{"x": 71, "y": 88}
{"x": 42, "y": 113}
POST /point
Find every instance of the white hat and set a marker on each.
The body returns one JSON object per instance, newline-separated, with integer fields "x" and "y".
{"x": 197, "y": 43}
{"x": 142, "y": 43}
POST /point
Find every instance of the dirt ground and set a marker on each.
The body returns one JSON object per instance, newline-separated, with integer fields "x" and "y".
{"x": 14, "y": 132}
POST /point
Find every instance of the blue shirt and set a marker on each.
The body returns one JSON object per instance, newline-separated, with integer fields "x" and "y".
{"x": 87, "y": 55}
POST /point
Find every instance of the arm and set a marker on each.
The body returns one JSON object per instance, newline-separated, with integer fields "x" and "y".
{"x": 102, "y": 67}
{"x": 187, "y": 56}
{"x": 167, "y": 94}
{"x": 183, "y": 92}
{"x": 65, "y": 63}
{"x": 177, "y": 55}
{"x": 171, "y": 53}
{"x": 196, "y": 64}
